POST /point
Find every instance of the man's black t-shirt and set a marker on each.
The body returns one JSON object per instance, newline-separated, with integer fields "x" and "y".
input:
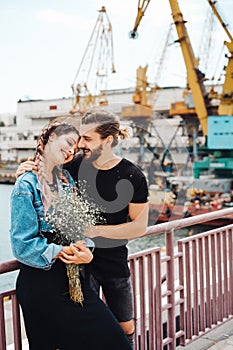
{"x": 113, "y": 190}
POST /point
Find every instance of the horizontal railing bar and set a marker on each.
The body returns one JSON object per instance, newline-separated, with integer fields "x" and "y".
{"x": 9, "y": 266}
{"x": 166, "y": 307}
{"x": 165, "y": 258}
{"x": 179, "y": 288}
{"x": 178, "y": 255}
{"x": 7, "y": 293}
{"x": 195, "y": 220}
{"x": 205, "y": 234}
{"x": 144, "y": 253}
{"x": 167, "y": 341}
{"x": 179, "y": 334}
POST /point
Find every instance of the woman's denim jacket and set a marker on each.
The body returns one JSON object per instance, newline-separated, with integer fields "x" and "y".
{"x": 29, "y": 246}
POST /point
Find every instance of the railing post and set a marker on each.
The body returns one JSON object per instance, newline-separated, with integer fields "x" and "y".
{"x": 151, "y": 301}
{"x": 2, "y": 326}
{"x": 182, "y": 293}
{"x": 230, "y": 271}
{"x": 171, "y": 331}
{"x": 141, "y": 270}
{"x": 158, "y": 303}
{"x": 133, "y": 279}
{"x": 16, "y": 323}
{"x": 188, "y": 290}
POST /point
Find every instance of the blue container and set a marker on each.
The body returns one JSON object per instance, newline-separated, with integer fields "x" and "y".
{"x": 220, "y": 132}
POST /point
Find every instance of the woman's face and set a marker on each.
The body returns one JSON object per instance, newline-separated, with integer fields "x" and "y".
{"x": 61, "y": 148}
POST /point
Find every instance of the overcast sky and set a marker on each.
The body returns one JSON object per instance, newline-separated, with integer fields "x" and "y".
{"x": 43, "y": 42}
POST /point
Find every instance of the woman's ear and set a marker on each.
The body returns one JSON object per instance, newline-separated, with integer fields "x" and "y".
{"x": 52, "y": 136}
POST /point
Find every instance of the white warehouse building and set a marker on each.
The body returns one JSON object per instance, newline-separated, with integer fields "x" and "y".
{"x": 18, "y": 142}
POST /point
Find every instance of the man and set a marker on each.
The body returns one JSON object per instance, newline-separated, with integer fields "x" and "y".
{"x": 120, "y": 188}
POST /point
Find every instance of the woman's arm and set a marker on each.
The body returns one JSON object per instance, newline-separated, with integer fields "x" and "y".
{"x": 28, "y": 245}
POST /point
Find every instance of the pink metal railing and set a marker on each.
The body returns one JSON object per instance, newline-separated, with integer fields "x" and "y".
{"x": 207, "y": 278}
{"x": 178, "y": 295}
{"x": 5, "y": 268}
{"x": 170, "y": 302}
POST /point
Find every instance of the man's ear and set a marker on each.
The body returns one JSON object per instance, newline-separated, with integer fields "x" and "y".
{"x": 109, "y": 139}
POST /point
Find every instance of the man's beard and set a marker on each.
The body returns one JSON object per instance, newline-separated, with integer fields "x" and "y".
{"x": 94, "y": 154}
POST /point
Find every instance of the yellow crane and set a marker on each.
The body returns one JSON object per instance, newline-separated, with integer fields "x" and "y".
{"x": 218, "y": 146}
{"x": 89, "y": 87}
{"x": 196, "y": 91}
{"x": 144, "y": 96}
{"x": 226, "y": 97}
{"x": 141, "y": 109}
{"x": 142, "y": 6}
{"x": 194, "y": 76}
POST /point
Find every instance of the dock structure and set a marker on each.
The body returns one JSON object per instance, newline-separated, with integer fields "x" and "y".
{"x": 7, "y": 178}
{"x": 181, "y": 293}
{"x": 7, "y": 172}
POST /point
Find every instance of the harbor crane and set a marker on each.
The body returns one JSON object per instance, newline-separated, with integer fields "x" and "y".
{"x": 89, "y": 87}
{"x": 142, "y": 6}
{"x": 217, "y": 131}
{"x": 226, "y": 97}
{"x": 194, "y": 76}
{"x": 140, "y": 112}
{"x": 144, "y": 96}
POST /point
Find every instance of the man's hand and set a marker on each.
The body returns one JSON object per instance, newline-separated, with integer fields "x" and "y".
{"x": 29, "y": 165}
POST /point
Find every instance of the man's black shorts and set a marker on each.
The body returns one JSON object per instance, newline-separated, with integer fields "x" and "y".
{"x": 118, "y": 295}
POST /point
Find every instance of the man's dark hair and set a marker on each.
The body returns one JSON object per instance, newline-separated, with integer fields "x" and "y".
{"x": 107, "y": 124}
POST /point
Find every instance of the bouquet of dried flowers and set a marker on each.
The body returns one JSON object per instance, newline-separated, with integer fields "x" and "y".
{"x": 70, "y": 214}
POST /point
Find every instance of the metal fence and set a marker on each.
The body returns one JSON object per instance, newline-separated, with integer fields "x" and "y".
{"x": 10, "y": 296}
{"x": 179, "y": 294}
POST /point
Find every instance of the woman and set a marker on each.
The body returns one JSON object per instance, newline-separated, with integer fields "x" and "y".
{"x": 52, "y": 319}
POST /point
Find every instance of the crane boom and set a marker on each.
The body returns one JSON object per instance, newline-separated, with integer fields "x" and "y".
{"x": 226, "y": 98}
{"x": 194, "y": 76}
{"x": 212, "y": 4}
{"x": 142, "y": 6}
{"x": 218, "y": 146}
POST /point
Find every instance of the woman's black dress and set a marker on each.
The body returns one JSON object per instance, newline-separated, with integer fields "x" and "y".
{"x": 53, "y": 321}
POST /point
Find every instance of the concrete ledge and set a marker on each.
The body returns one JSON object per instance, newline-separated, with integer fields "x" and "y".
{"x": 219, "y": 338}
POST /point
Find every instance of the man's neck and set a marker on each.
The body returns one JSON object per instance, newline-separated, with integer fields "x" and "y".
{"x": 106, "y": 162}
